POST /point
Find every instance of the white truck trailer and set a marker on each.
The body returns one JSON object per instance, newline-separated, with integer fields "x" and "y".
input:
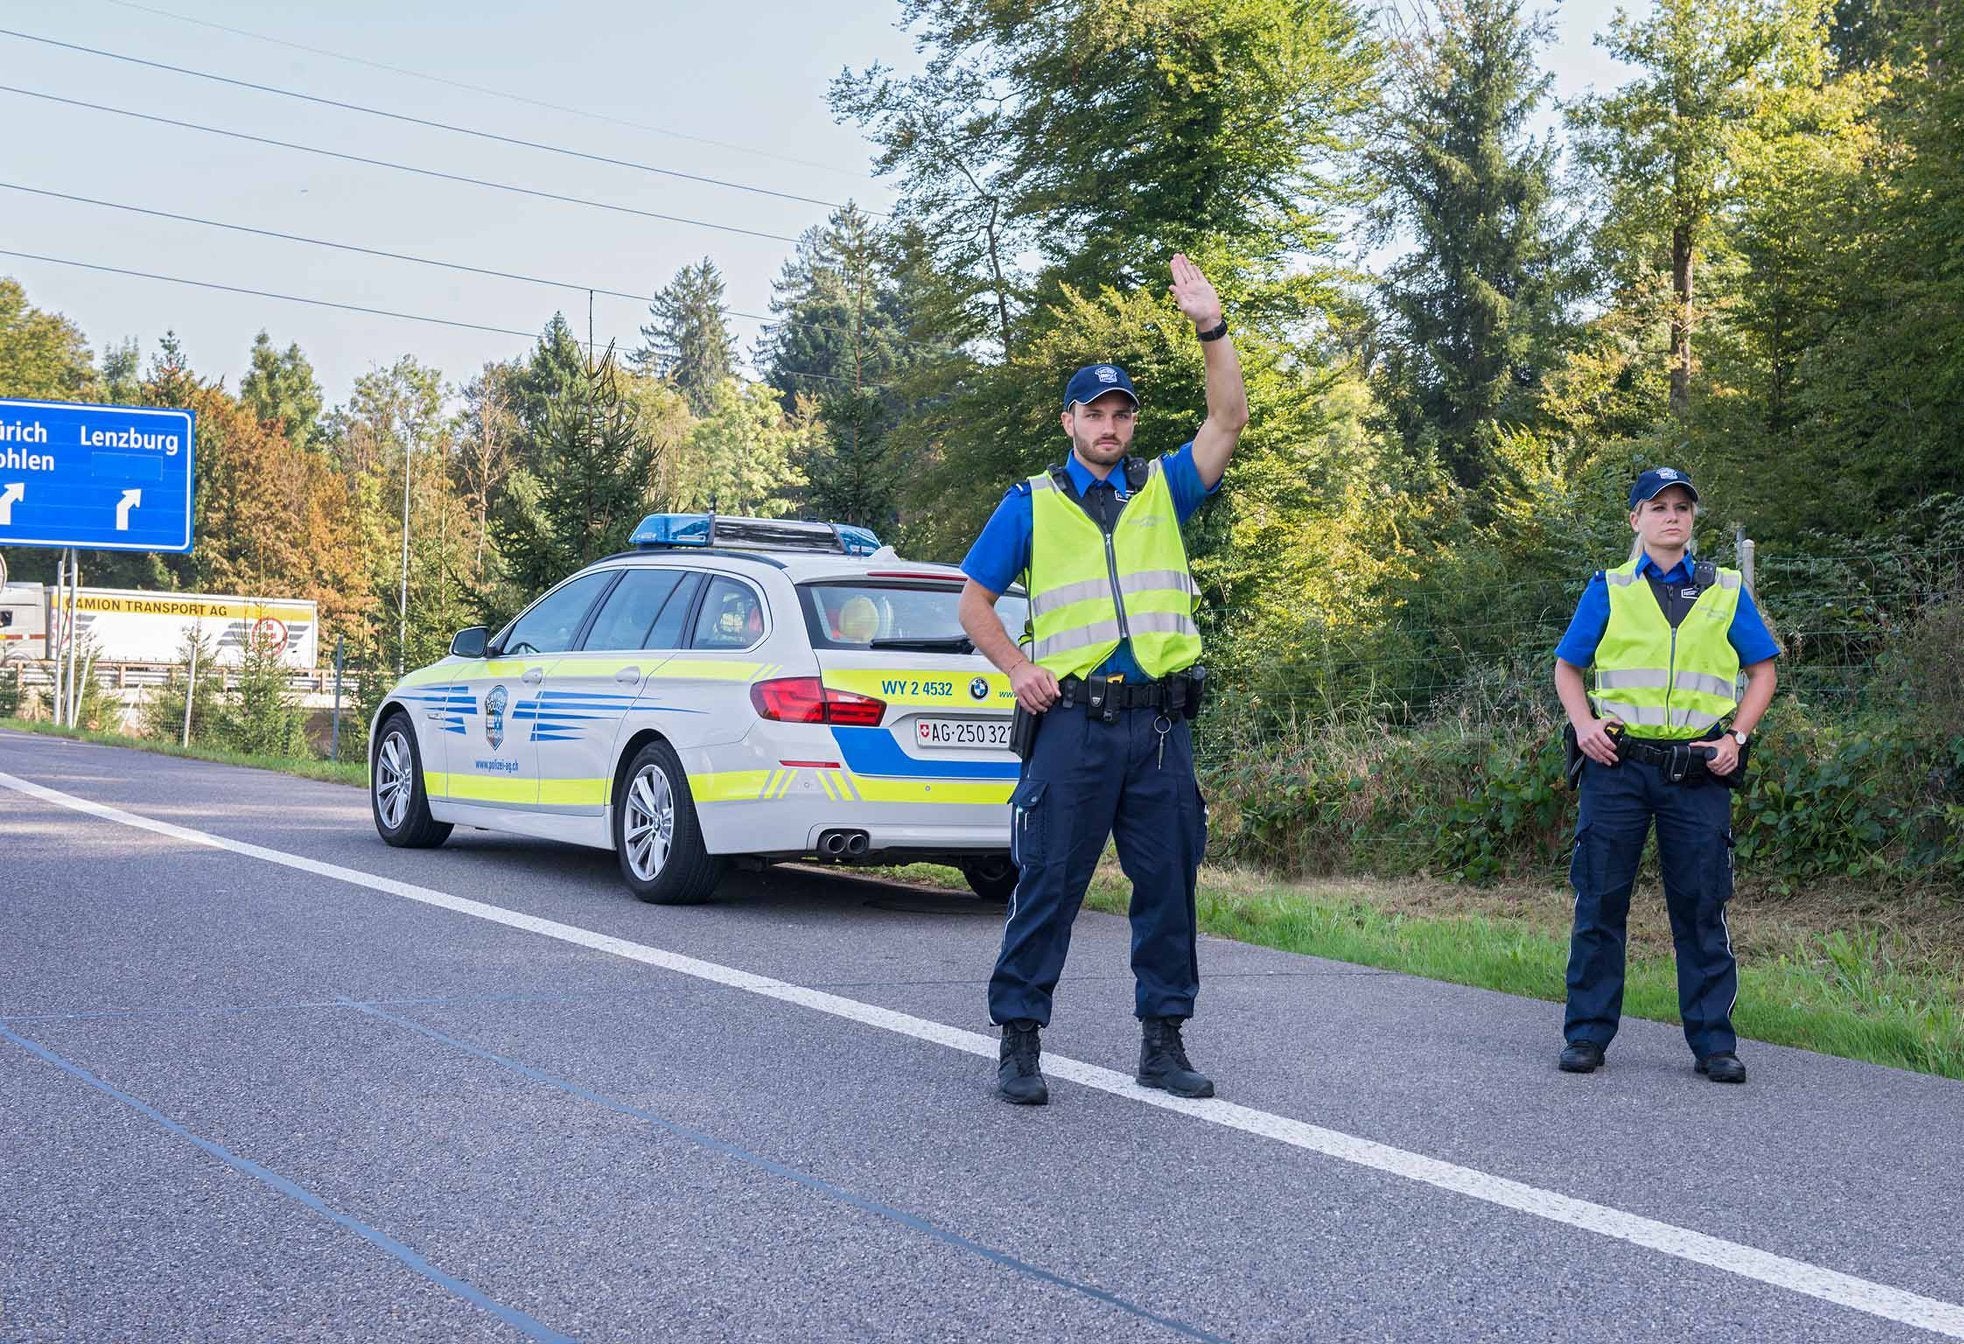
{"x": 128, "y": 626}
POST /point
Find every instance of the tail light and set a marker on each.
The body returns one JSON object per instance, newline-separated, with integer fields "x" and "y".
{"x": 810, "y": 700}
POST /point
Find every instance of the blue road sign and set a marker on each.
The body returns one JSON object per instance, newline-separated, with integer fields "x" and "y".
{"x": 98, "y": 478}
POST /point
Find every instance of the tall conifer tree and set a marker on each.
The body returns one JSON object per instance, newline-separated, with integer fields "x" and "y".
{"x": 1473, "y": 304}
{"x": 686, "y": 339}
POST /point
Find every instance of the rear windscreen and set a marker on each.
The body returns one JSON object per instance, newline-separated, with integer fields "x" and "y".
{"x": 852, "y": 614}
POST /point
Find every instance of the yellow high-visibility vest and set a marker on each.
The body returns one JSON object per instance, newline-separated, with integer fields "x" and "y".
{"x": 1663, "y": 682}
{"x": 1089, "y": 591}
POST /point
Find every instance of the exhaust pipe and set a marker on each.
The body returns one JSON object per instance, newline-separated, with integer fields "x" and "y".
{"x": 843, "y": 844}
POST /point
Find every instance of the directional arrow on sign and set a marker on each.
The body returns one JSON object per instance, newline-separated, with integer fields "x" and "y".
{"x": 131, "y": 498}
{"x": 10, "y": 496}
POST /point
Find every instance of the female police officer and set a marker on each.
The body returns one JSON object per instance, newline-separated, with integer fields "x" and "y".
{"x": 1668, "y": 638}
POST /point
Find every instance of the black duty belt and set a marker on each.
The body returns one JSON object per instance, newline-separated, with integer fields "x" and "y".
{"x": 1177, "y": 694}
{"x": 1681, "y": 762}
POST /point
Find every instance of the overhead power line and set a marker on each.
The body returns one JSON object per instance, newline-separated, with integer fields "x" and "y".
{"x": 269, "y": 294}
{"x": 326, "y": 242}
{"x": 505, "y": 94}
{"x": 344, "y": 307}
{"x": 422, "y": 121}
{"x": 571, "y": 285}
{"x": 398, "y": 167}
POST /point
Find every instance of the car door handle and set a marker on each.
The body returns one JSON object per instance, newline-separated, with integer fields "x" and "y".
{"x": 533, "y": 676}
{"x": 627, "y": 676}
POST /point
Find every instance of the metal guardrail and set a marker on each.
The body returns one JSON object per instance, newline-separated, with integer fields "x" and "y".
{"x": 39, "y": 672}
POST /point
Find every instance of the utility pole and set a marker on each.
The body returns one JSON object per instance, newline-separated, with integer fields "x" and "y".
{"x": 402, "y": 621}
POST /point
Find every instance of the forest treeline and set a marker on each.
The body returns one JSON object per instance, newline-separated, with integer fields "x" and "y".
{"x": 1468, "y": 316}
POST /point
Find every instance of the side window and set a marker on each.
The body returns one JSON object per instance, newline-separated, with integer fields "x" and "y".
{"x": 669, "y": 627}
{"x": 732, "y": 616}
{"x": 549, "y": 625}
{"x": 629, "y": 611}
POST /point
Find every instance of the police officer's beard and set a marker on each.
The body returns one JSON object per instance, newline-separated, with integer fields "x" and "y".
{"x": 1101, "y": 454}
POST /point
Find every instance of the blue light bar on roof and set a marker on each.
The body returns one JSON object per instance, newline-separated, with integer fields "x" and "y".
{"x": 753, "y": 534}
{"x": 856, "y": 540}
{"x": 672, "y": 529}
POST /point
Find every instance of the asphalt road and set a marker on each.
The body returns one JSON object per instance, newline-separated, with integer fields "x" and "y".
{"x": 309, "y": 1087}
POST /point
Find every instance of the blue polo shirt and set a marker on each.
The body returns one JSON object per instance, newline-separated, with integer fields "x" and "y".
{"x": 1748, "y": 634}
{"x": 1001, "y": 554}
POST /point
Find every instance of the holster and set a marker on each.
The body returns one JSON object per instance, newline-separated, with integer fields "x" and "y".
{"x": 1186, "y": 692}
{"x": 1023, "y": 732}
{"x": 1687, "y": 763}
{"x": 1572, "y": 757}
{"x": 1737, "y": 779}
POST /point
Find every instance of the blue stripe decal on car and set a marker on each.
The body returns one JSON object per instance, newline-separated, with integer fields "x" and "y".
{"x": 873, "y": 751}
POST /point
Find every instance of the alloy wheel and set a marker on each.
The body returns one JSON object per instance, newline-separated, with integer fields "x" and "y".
{"x": 393, "y": 780}
{"x": 648, "y": 829}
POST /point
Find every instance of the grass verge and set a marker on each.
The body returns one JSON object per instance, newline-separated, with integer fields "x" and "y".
{"x": 333, "y": 772}
{"x": 1852, "y": 975}
{"x": 1872, "y": 992}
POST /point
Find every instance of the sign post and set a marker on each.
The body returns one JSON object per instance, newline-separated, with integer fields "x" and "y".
{"x": 334, "y": 749}
{"x": 96, "y": 478}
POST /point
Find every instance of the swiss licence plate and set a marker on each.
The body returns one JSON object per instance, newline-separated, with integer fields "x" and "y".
{"x": 961, "y": 732}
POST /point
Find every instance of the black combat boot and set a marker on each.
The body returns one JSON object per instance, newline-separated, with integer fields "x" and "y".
{"x": 1017, "y": 1078}
{"x": 1723, "y": 1067}
{"x": 1581, "y": 1057}
{"x": 1163, "y": 1060}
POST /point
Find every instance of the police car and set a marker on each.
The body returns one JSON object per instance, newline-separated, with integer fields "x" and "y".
{"x": 731, "y": 689}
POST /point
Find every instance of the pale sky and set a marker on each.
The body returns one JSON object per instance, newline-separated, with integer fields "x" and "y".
{"x": 750, "y": 75}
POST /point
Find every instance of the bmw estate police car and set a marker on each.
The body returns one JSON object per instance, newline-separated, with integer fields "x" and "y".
{"x": 731, "y": 687}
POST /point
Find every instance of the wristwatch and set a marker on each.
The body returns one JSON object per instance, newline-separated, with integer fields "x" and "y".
{"x": 1214, "y": 333}
{"x": 1737, "y": 736}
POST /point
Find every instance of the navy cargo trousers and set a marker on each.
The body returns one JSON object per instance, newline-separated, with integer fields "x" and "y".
{"x": 1694, "y": 857}
{"x": 1087, "y": 781}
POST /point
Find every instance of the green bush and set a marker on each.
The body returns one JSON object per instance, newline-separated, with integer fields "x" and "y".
{"x": 260, "y": 715}
{"x": 162, "y": 712}
{"x": 1477, "y": 804}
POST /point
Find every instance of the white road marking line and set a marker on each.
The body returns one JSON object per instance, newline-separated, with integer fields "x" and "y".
{"x": 1863, "y": 1295}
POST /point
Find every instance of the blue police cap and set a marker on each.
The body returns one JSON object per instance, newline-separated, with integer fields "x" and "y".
{"x": 1658, "y": 479}
{"x": 1093, "y": 381}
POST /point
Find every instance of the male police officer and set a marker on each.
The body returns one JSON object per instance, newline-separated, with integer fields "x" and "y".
{"x": 1668, "y": 638}
{"x": 1111, "y": 606}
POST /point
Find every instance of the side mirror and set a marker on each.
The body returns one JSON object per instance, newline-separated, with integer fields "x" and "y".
{"x": 470, "y": 643}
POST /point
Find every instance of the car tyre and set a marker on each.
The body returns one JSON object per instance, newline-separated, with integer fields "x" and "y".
{"x": 993, "y": 877}
{"x": 395, "y": 789}
{"x": 656, "y": 834}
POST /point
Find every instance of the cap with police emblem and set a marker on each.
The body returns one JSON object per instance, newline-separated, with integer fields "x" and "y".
{"x": 1093, "y": 381}
{"x": 1657, "y": 480}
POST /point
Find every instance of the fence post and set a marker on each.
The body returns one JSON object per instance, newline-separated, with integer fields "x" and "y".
{"x": 190, "y": 689}
{"x": 334, "y": 748}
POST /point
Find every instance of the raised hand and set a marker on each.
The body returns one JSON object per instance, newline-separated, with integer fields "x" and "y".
{"x": 1194, "y": 295}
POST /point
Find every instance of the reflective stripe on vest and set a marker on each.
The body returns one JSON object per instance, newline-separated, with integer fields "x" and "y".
{"x": 1662, "y": 682}
{"x": 1088, "y": 592}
